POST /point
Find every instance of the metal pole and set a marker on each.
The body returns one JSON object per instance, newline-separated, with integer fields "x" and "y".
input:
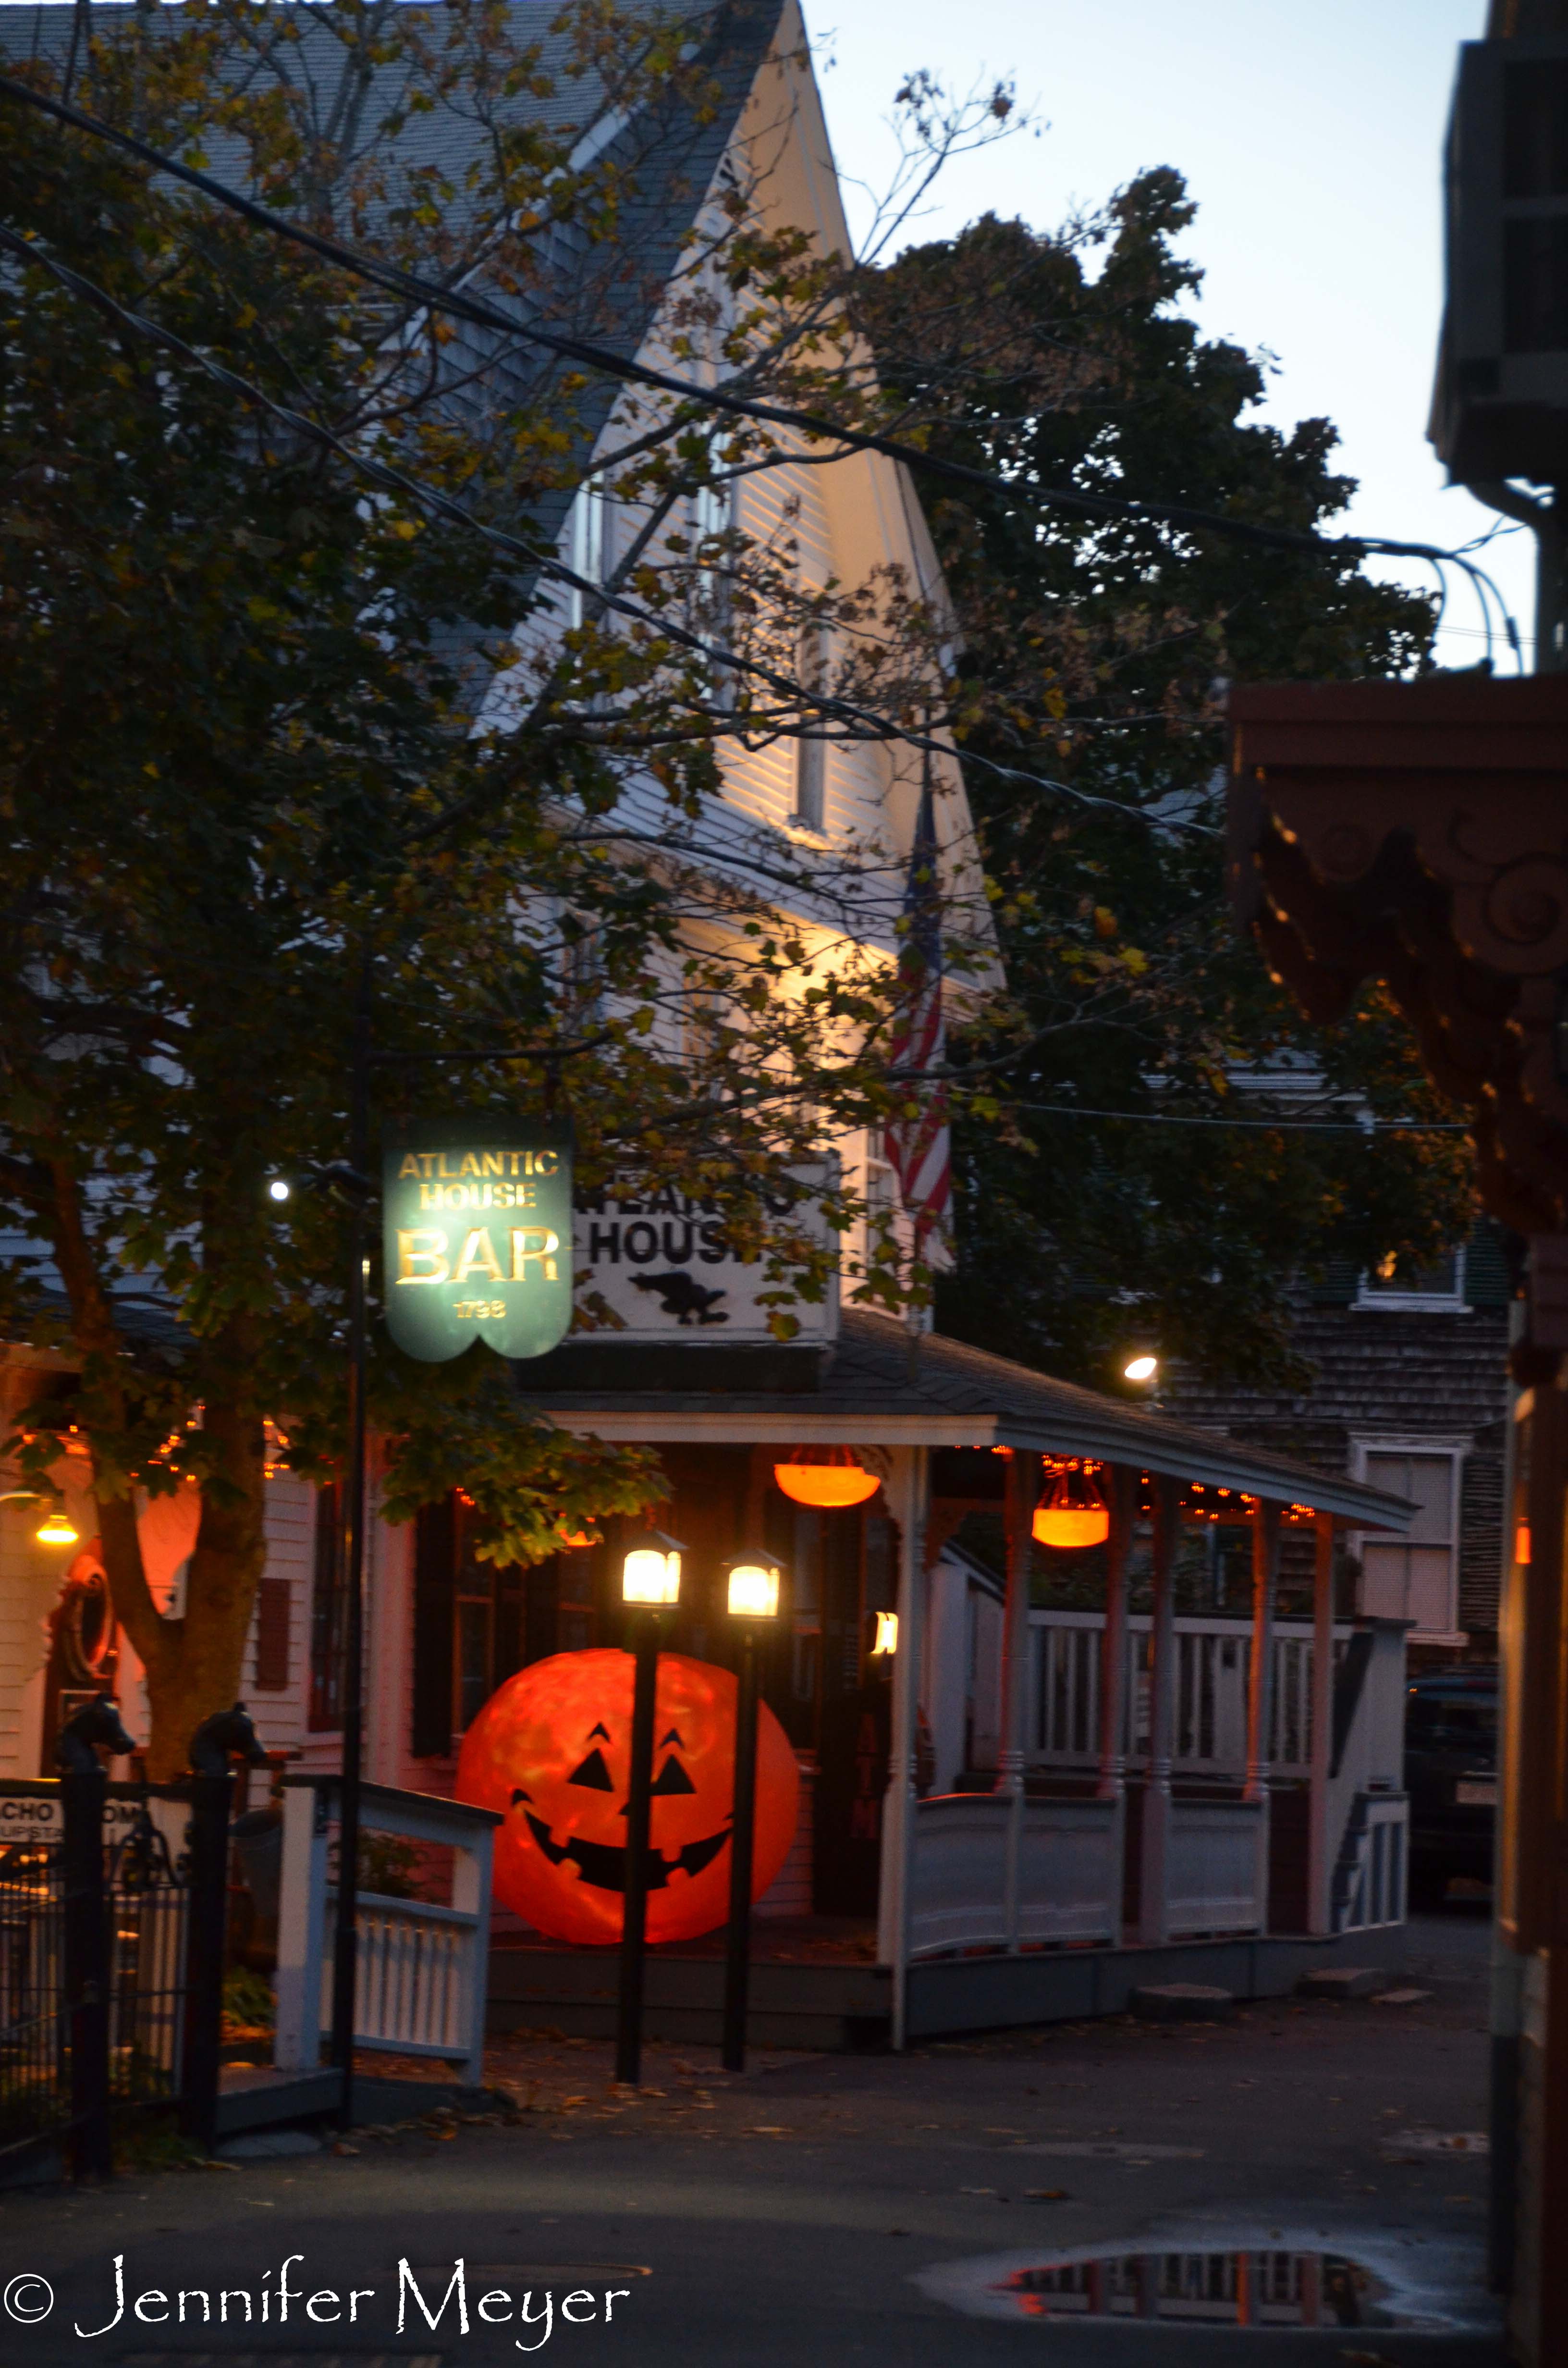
{"x": 742, "y": 1831}
{"x": 211, "y": 1797}
{"x": 87, "y": 1969}
{"x": 344, "y": 1962}
{"x": 639, "y": 1817}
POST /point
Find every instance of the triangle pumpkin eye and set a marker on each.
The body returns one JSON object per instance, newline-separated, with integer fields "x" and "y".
{"x": 672, "y": 1778}
{"x": 593, "y": 1772}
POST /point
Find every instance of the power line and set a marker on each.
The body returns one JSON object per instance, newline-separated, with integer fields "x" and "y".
{"x": 381, "y": 473}
{"x": 1268, "y": 1126}
{"x": 593, "y": 356}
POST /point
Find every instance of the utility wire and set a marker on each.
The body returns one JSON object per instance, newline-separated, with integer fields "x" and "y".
{"x": 593, "y": 356}
{"x": 1268, "y": 1126}
{"x": 827, "y": 704}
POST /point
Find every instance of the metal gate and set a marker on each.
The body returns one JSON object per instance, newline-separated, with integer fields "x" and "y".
{"x": 112, "y": 1910}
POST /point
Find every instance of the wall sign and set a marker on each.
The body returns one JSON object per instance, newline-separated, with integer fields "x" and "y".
{"x": 660, "y": 1266}
{"x": 477, "y": 1239}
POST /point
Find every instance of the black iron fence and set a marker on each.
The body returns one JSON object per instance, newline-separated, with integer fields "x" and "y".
{"x": 113, "y": 1901}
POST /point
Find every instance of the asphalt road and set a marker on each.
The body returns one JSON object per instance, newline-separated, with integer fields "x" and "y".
{"x": 868, "y": 2210}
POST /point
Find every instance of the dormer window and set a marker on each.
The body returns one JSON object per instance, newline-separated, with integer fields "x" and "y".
{"x": 1438, "y": 1287}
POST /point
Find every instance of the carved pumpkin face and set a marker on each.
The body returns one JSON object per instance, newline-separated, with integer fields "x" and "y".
{"x": 551, "y": 1750}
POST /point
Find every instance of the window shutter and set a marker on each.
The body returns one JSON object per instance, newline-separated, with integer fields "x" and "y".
{"x": 274, "y": 1605}
{"x": 434, "y": 1560}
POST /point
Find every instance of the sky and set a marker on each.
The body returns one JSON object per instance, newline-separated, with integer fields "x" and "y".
{"x": 1311, "y": 137}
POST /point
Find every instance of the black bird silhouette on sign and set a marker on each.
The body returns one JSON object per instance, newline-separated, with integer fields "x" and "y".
{"x": 683, "y": 1298}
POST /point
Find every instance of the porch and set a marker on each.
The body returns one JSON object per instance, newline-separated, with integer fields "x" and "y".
{"x": 1219, "y": 1792}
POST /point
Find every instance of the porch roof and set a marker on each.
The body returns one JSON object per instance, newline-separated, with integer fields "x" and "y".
{"x": 883, "y": 1386}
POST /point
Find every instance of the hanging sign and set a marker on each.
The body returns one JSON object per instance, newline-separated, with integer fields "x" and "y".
{"x": 661, "y": 1266}
{"x": 477, "y": 1238}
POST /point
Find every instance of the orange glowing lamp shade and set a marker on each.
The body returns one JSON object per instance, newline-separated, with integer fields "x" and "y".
{"x": 1522, "y": 1544}
{"x": 1071, "y": 1513}
{"x": 551, "y": 1751}
{"x": 56, "y": 1530}
{"x": 828, "y": 1477}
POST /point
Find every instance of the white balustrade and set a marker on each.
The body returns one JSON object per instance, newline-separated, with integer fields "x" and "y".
{"x": 1212, "y": 1660}
{"x": 1069, "y": 1873}
{"x": 421, "y": 1967}
{"x": 1373, "y": 1876}
{"x": 1212, "y": 1867}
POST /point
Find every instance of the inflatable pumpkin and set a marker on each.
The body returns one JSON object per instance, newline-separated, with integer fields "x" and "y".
{"x": 551, "y": 1750}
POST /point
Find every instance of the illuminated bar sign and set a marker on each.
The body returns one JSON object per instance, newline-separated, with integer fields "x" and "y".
{"x": 477, "y": 1239}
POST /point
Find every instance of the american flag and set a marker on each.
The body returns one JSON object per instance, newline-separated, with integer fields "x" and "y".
{"x": 917, "y": 1147}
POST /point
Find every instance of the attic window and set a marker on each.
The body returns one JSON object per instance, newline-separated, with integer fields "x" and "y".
{"x": 1437, "y": 1287}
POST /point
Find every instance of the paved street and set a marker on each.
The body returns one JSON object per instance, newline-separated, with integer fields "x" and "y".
{"x": 841, "y": 2208}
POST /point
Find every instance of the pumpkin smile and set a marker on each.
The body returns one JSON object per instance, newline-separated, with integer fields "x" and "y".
{"x": 603, "y": 1864}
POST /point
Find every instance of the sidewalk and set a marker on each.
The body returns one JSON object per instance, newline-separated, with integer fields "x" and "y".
{"x": 834, "y": 2208}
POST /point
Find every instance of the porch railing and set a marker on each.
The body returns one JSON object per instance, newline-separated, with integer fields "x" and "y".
{"x": 988, "y": 1872}
{"x": 1213, "y": 1657}
{"x": 421, "y": 1964}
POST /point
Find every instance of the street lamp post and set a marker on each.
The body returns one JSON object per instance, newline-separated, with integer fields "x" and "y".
{"x": 649, "y": 1580}
{"x": 753, "y": 1595}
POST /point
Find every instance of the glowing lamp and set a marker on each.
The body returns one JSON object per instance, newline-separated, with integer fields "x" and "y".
{"x": 277, "y": 1189}
{"x": 54, "y": 1529}
{"x": 1521, "y": 1544}
{"x": 826, "y": 1476}
{"x": 650, "y": 1573}
{"x": 1072, "y": 1513}
{"x": 886, "y": 1638}
{"x": 575, "y": 1538}
{"x": 1140, "y": 1369}
{"x": 754, "y": 1590}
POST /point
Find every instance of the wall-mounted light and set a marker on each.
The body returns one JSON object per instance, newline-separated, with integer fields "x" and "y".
{"x": 277, "y": 1189}
{"x": 55, "y": 1530}
{"x": 1140, "y": 1369}
{"x": 886, "y": 1638}
{"x": 650, "y": 1573}
{"x": 754, "y": 1588}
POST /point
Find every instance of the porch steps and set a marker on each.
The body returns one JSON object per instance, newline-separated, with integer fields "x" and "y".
{"x": 1182, "y": 2002}
{"x": 1343, "y": 1982}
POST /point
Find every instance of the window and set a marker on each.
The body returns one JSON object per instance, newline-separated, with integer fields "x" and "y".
{"x": 329, "y": 1618}
{"x": 468, "y": 1627}
{"x": 1438, "y": 1287}
{"x": 811, "y": 749}
{"x": 585, "y": 542}
{"x": 1415, "y": 1577}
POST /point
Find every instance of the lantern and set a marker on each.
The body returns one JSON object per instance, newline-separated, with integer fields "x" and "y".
{"x": 885, "y": 1640}
{"x": 1072, "y": 1513}
{"x": 650, "y": 1573}
{"x": 551, "y": 1751}
{"x": 826, "y": 1476}
{"x": 754, "y": 1588}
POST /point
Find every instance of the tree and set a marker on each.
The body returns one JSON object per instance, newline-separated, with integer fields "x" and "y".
{"x": 1096, "y": 651}
{"x": 289, "y": 749}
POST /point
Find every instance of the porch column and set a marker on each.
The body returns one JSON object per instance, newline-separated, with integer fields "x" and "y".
{"x": 906, "y": 1491}
{"x": 1319, "y": 1866}
{"x": 1022, "y": 1473}
{"x": 1112, "y": 1785}
{"x": 1260, "y": 1683}
{"x": 1153, "y": 1918}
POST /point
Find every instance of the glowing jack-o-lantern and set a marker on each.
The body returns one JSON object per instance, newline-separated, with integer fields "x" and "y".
{"x": 551, "y": 1750}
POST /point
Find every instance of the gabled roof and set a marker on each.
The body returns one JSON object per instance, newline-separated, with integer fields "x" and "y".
{"x": 884, "y": 1386}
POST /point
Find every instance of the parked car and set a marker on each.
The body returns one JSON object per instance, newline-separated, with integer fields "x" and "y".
{"x": 1450, "y": 1774}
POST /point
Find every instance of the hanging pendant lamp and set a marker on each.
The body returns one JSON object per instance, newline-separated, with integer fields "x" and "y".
{"x": 1072, "y": 1513}
{"x": 829, "y": 1477}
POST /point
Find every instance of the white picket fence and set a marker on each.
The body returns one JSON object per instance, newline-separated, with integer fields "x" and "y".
{"x": 1213, "y": 1658}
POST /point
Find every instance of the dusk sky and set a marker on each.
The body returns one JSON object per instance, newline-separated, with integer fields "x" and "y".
{"x": 1312, "y": 140}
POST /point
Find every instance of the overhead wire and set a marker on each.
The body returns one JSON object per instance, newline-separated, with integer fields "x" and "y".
{"x": 589, "y": 353}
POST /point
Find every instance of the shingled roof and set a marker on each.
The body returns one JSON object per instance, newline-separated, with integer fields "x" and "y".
{"x": 880, "y": 1385}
